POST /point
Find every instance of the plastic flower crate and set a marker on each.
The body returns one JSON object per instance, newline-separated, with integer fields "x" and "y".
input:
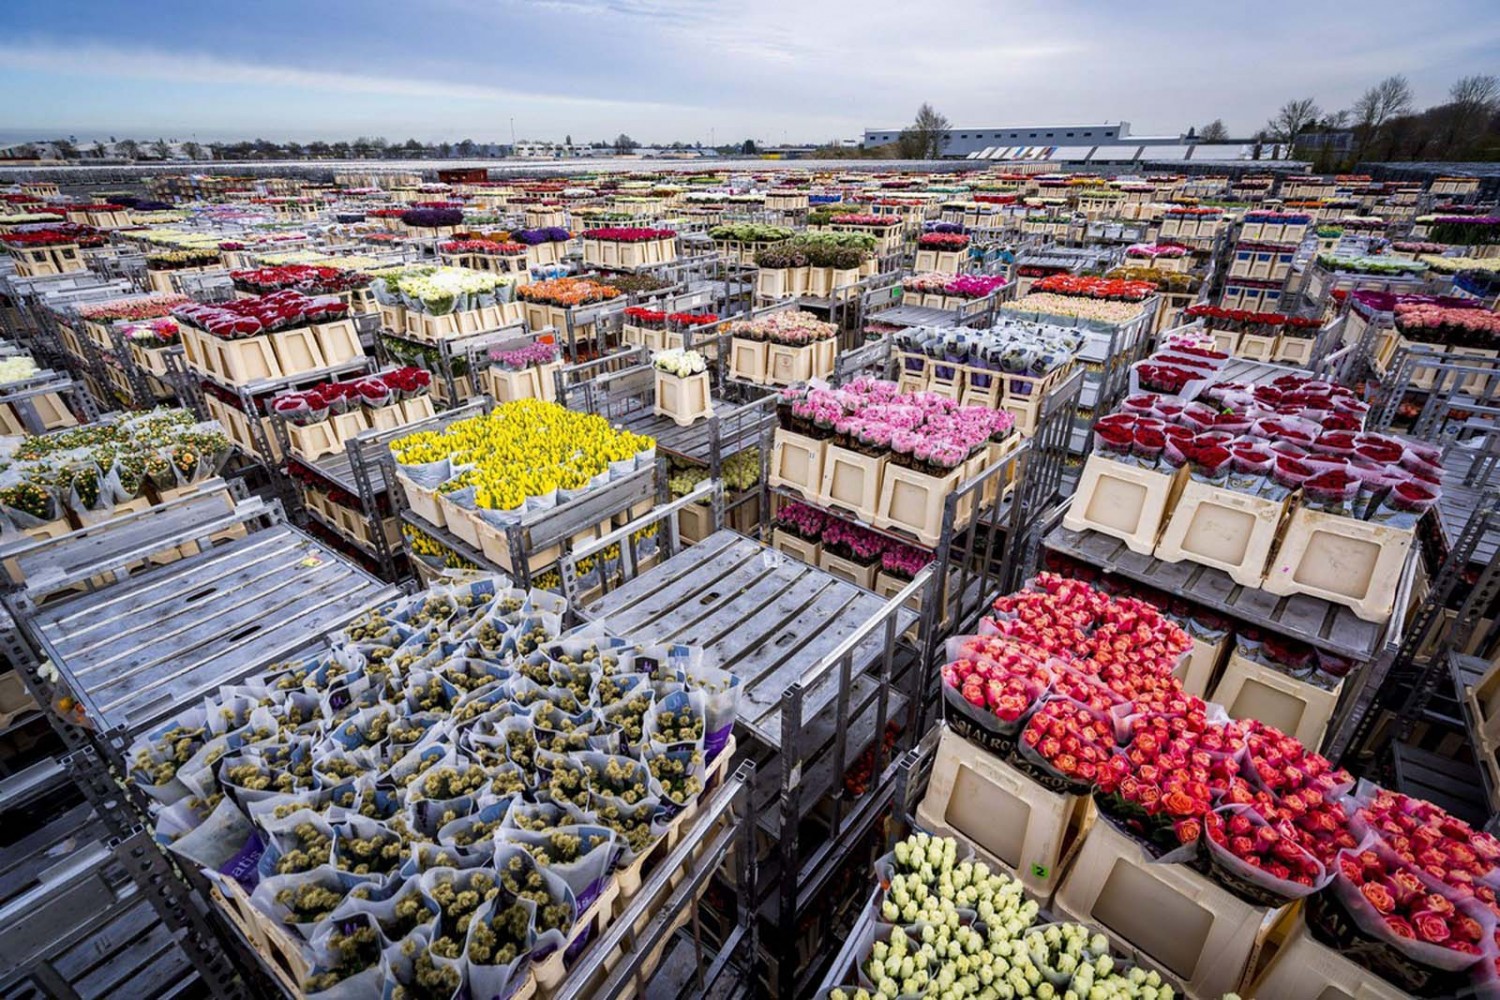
{"x": 798, "y": 548}
{"x": 859, "y": 574}
{"x": 1305, "y": 967}
{"x": 797, "y": 463}
{"x": 240, "y": 362}
{"x": 1166, "y": 916}
{"x": 683, "y": 399}
{"x": 1123, "y": 501}
{"x": 1484, "y": 705}
{"x": 943, "y": 261}
{"x": 393, "y": 318}
{"x": 1294, "y": 350}
{"x": 1257, "y": 346}
{"x": 747, "y": 359}
{"x": 338, "y": 341}
{"x": 786, "y": 365}
{"x": 695, "y": 522}
{"x": 1222, "y": 528}
{"x": 297, "y": 351}
{"x": 912, "y": 502}
{"x": 422, "y": 501}
{"x": 1354, "y": 563}
{"x": 1250, "y": 690}
{"x": 311, "y": 441}
{"x": 852, "y": 481}
{"x": 1013, "y": 823}
{"x": 1199, "y": 667}
{"x": 464, "y": 523}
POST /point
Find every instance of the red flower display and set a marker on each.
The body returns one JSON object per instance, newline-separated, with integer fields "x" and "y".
{"x": 1096, "y": 288}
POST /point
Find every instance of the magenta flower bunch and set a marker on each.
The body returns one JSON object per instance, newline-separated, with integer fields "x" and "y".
{"x": 974, "y": 286}
{"x": 904, "y": 561}
{"x": 531, "y": 356}
{"x": 853, "y": 542}
{"x": 802, "y": 520}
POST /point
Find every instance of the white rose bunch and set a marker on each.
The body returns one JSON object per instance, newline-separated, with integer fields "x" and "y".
{"x": 680, "y": 363}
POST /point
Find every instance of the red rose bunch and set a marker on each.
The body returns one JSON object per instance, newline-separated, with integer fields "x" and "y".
{"x": 263, "y": 314}
{"x": 1171, "y": 771}
{"x": 1096, "y": 288}
{"x": 1247, "y": 837}
{"x": 407, "y": 381}
{"x": 1283, "y": 765}
{"x": 1427, "y": 837}
{"x": 1072, "y": 740}
{"x": 306, "y": 278}
{"x": 942, "y": 241}
{"x": 1321, "y": 826}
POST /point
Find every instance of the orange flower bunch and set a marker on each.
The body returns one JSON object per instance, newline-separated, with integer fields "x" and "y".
{"x": 567, "y": 292}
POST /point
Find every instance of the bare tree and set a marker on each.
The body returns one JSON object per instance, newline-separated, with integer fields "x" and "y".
{"x": 1476, "y": 93}
{"x": 129, "y": 148}
{"x": 1382, "y": 102}
{"x": 1471, "y": 102}
{"x": 467, "y": 148}
{"x": 1376, "y": 107}
{"x": 1214, "y": 131}
{"x": 929, "y": 133}
{"x": 1292, "y": 120}
{"x": 193, "y": 150}
{"x": 625, "y": 144}
{"x": 161, "y": 149}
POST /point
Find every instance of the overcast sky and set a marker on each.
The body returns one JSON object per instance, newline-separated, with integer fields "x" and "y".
{"x": 772, "y": 70}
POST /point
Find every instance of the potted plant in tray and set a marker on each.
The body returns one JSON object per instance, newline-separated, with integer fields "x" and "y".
{"x": 682, "y": 389}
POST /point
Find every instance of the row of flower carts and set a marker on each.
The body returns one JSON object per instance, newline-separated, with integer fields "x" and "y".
{"x": 698, "y": 566}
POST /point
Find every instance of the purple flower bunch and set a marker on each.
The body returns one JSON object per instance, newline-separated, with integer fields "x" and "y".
{"x": 546, "y": 234}
{"x": 943, "y": 227}
{"x": 432, "y": 218}
{"x": 531, "y": 356}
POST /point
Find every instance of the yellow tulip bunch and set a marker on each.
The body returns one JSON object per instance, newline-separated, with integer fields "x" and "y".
{"x": 526, "y": 448}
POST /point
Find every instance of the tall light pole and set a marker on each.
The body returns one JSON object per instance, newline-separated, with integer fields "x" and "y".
{"x": 512, "y": 136}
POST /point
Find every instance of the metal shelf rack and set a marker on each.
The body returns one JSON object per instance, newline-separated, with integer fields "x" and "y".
{"x": 533, "y": 533}
{"x": 144, "y": 641}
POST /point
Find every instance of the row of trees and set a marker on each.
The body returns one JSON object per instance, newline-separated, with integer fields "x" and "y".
{"x": 364, "y": 148}
{"x": 1384, "y": 125}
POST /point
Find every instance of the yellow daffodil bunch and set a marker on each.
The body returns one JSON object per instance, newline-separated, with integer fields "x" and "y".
{"x": 527, "y": 448}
